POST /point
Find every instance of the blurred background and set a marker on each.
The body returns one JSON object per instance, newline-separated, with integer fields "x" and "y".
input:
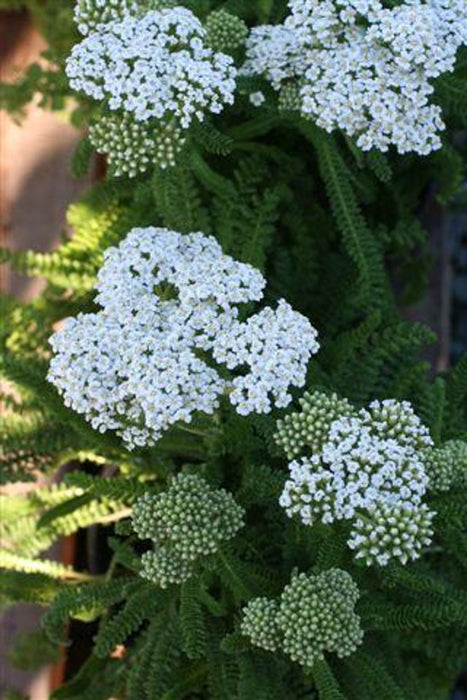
{"x": 35, "y": 190}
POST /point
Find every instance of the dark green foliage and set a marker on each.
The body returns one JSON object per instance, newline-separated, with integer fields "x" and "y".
{"x": 141, "y": 606}
{"x": 118, "y": 488}
{"x": 156, "y": 668}
{"x": 375, "y": 677}
{"x": 192, "y": 620}
{"x": 358, "y": 240}
{"x": 84, "y": 602}
{"x": 431, "y": 615}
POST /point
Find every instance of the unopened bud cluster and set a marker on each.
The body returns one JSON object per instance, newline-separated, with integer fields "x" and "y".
{"x": 366, "y": 467}
{"x": 446, "y": 466}
{"x": 391, "y": 532}
{"x": 309, "y": 427}
{"x": 225, "y": 32}
{"x": 133, "y": 147}
{"x": 90, "y": 14}
{"x": 313, "y": 616}
{"x": 188, "y": 521}
{"x": 396, "y": 420}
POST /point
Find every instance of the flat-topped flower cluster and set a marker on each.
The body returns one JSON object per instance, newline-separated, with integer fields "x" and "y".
{"x": 363, "y": 68}
{"x": 366, "y": 467}
{"x": 156, "y": 64}
{"x": 150, "y": 358}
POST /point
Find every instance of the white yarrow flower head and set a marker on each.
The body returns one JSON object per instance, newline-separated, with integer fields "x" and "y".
{"x": 154, "y": 65}
{"x": 192, "y": 264}
{"x": 367, "y": 467}
{"x": 151, "y": 358}
{"x": 363, "y": 68}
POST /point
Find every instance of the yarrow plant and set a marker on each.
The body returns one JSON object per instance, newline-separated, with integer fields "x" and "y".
{"x": 363, "y": 68}
{"x": 156, "y": 65}
{"x": 281, "y": 517}
{"x": 167, "y": 299}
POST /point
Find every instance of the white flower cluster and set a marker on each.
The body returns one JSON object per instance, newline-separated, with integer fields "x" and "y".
{"x": 133, "y": 147}
{"x": 193, "y": 264}
{"x": 257, "y": 98}
{"x": 368, "y": 470}
{"x": 156, "y": 65}
{"x": 267, "y": 344}
{"x": 314, "y": 615}
{"x": 169, "y": 312}
{"x": 187, "y": 522}
{"x": 364, "y": 68}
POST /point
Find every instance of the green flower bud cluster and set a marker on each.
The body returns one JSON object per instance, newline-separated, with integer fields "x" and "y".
{"x": 260, "y": 624}
{"x": 314, "y": 615}
{"x": 133, "y": 147}
{"x": 290, "y": 99}
{"x": 446, "y": 466}
{"x": 225, "y": 32}
{"x": 396, "y": 420}
{"x": 89, "y": 14}
{"x": 391, "y": 532}
{"x": 310, "y": 427}
{"x": 188, "y": 521}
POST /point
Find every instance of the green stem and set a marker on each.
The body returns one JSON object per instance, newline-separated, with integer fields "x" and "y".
{"x": 192, "y": 431}
{"x": 82, "y": 577}
{"x": 114, "y": 517}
